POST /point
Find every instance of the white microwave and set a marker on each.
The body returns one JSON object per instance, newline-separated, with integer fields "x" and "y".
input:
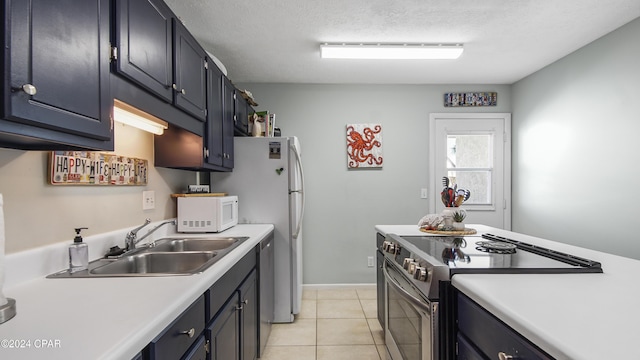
{"x": 207, "y": 213}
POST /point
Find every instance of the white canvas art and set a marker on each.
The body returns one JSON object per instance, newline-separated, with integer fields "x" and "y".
{"x": 364, "y": 146}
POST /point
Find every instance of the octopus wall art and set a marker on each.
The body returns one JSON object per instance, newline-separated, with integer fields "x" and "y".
{"x": 364, "y": 146}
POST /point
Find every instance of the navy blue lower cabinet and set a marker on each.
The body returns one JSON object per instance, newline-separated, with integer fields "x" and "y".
{"x": 466, "y": 351}
{"x": 198, "y": 351}
{"x": 223, "y": 333}
{"x": 249, "y": 317}
{"x": 178, "y": 337}
{"x": 486, "y": 337}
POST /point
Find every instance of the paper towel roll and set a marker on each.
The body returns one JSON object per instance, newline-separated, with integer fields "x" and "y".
{"x": 3, "y": 300}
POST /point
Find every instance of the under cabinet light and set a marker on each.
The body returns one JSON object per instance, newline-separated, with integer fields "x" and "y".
{"x": 391, "y": 51}
{"x": 129, "y": 115}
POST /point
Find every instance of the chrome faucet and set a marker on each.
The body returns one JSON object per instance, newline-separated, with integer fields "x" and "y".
{"x": 131, "y": 240}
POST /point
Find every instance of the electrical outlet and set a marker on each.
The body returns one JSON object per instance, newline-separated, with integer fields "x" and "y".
{"x": 148, "y": 200}
{"x": 423, "y": 193}
{"x": 370, "y": 262}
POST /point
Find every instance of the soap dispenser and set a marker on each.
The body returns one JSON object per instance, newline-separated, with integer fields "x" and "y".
{"x": 78, "y": 253}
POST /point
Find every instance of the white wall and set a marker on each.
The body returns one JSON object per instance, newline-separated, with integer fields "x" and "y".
{"x": 38, "y": 214}
{"x": 343, "y": 206}
{"x": 575, "y": 147}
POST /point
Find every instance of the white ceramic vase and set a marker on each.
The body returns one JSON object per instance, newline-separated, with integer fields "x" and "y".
{"x": 447, "y": 214}
{"x": 458, "y": 226}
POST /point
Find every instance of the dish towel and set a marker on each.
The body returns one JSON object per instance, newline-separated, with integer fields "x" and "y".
{"x": 3, "y": 299}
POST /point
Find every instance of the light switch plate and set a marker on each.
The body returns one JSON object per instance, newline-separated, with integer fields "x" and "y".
{"x": 148, "y": 200}
{"x": 423, "y": 193}
{"x": 370, "y": 261}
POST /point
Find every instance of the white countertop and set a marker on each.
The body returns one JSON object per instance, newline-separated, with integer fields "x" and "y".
{"x": 570, "y": 316}
{"x": 106, "y": 318}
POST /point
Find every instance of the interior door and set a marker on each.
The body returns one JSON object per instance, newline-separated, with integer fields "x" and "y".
{"x": 474, "y": 151}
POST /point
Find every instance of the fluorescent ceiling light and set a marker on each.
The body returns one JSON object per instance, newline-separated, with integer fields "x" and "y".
{"x": 391, "y": 51}
{"x": 129, "y": 115}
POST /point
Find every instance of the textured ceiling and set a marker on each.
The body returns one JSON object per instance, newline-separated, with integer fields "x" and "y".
{"x": 277, "y": 41}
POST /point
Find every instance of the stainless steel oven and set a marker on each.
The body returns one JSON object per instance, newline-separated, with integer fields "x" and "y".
{"x": 411, "y": 320}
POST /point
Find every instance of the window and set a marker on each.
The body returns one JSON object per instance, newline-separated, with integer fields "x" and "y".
{"x": 469, "y": 164}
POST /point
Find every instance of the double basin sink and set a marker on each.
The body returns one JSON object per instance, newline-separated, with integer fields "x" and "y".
{"x": 170, "y": 256}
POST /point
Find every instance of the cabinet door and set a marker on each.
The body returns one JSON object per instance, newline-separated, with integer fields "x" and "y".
{"x": 249, "y": 318}
{"x": 144, "y": 43}
{"x": 190, "y": 73}
{"x": 198, "y": 351}
{"x": 241, "y": 112}
{"x": 59, "y": 66}
{"x": 491, "y": 336}
{"x": 228, "y": 122}
{"x": 223, "y": 333}
{"x": 215, "y": 115}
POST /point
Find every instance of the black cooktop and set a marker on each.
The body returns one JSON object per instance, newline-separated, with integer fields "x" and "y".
{"x": 495, "y": 254}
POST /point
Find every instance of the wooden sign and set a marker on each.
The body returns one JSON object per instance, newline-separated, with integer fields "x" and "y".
{"x": 95, "y": 168}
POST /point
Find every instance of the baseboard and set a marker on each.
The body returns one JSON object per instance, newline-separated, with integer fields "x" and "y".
{"x": 337, "y": 286}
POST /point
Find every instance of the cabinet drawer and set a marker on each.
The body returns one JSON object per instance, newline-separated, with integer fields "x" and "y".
{"x": 490, "y": 335}
{"x": 174, "y": 342}
{"x": 226, "y": 286}
{"x": 466, "y": 351}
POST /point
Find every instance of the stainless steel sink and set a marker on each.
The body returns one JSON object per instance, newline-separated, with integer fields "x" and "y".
{"x": 197, "y": 244}
{"x": 158, "y": 263}
{"x": 169, "y": 257}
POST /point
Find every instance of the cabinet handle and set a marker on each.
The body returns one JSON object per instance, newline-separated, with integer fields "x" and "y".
{"x": 504, "y": 356}
{"x": 189, "y": 332}
{"x": 242, "y": 304}
{"x": 182, "y": 91}
{"x": 29, "y": 89}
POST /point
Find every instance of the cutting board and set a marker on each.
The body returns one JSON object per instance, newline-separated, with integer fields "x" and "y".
{"x": 198, "y": 195}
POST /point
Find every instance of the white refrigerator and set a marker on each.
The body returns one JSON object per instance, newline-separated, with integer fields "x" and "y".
{"x": 268, "y": 179}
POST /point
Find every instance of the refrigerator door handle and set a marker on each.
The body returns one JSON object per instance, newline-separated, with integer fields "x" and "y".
{"x": 301, "y": 190}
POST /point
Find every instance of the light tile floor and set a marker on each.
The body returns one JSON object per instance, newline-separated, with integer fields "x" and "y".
{"x": 333, "y": 324}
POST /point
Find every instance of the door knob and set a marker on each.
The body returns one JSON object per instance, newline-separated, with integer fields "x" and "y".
{"x": 29, "y": 89}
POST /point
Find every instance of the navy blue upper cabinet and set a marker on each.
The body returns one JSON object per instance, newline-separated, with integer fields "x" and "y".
{"x": 228, "y": 91}
{"x": 144, "y": 51}
{"x": 215, "y": 122}
{"x": 154, "y": 50}
{"x": 190, "y": 72}
{"x": 55, "y": 92}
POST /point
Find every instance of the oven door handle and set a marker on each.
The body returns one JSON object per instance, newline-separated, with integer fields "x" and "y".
{"x": 404, "y": 293}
